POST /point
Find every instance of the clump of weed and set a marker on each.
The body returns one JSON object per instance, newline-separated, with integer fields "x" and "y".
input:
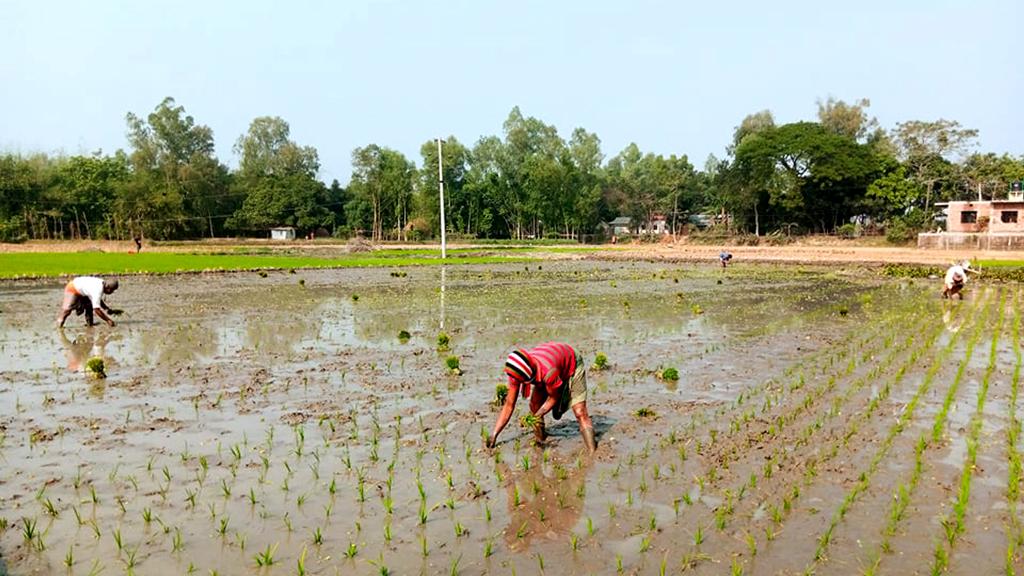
{"x": 404, "y": 336}
{"x": 452, "y": 362}
{"x": 95, "y": 367}
{"x": 262, "y": 273}
{"x": 601, "y": 361}
{"x": 355, "y": 297}
{"x": 645, "y": 412}
{"x": 669, "y": 374}
{"x": 843, "y": 310}
{"x": 399, "y": 274}
{"x": 302, "y": 281}
{"x": 696, "y": 309}
{"x": 500, "y": 394}
{"x": 443, "y": 341}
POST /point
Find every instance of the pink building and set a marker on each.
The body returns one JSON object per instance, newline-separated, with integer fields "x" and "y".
{"x": 994, "y": 216}
{"x": 980, "y": 225}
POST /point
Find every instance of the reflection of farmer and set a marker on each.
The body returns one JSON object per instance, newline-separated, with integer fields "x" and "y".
{"x": 956, "y": 277}
{"x": 81, "y": 348}
{"x": 724, "y": 258}
{"x": 550, "y": 503}
{"x": 85, "y": 295}
{"x": 561, "y": 379}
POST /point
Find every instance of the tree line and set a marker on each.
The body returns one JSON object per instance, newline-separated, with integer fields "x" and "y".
{"x": 529, "y": 182}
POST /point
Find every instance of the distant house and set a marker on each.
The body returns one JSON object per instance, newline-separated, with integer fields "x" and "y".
{"x": 621, "y": 225}
{"x": 980, "y": 224}
{"x": 282, "y": 233}
{"x": 657, "y": 225}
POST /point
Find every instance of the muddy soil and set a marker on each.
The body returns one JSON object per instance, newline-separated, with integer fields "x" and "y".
{"x": 825, "y": 420}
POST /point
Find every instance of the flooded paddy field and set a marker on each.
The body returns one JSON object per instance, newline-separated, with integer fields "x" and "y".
{"x": 825, "y": 420}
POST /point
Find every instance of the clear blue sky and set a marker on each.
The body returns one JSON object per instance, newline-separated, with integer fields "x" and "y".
{"x": 675, "y": 77}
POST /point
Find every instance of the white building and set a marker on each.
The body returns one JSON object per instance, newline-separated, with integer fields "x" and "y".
{"x": 283, "y": 233}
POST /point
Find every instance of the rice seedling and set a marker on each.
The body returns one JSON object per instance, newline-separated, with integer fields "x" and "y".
{"x": 318, "y": 536}
{"x": 300, "y": 564}
{"x": 698, "y": 536}
{"x": 600, "y": 361}
{"x": 443, "y": 341}
{"x": 351, "y": 551}
{"x": 266, "y": 557}
{"x": 177, "y": 543}
{"x": 69, "y": 558}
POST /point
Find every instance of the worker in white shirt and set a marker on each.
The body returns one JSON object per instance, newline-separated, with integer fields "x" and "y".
{"x": 84, "y": 295}
{"x": 956, "y": 277}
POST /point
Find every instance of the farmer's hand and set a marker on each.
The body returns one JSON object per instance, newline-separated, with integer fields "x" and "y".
{"x": 491, "y": 442}
{"x": 110, "y": 323}
{"x": 116, "y": 311}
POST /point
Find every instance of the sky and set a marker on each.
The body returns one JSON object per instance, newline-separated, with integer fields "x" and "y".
{"x": 674, "y": 77}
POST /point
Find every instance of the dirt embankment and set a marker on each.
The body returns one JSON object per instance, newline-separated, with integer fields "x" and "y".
{"x": 813, "y": 250}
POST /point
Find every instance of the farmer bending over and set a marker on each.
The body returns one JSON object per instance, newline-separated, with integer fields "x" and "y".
{"x": 84, "y": 294}
{"x": 560, "y": 377}
{"x": 956, "y": 277}
{"x": 724, "y": 258}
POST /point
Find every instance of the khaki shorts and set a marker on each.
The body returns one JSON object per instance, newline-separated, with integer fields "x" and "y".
{"x": 573, "y": 392}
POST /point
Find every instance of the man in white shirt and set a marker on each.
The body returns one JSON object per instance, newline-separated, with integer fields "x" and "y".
{"x": 85, "y": 294}
{"x": 956, "y": 277}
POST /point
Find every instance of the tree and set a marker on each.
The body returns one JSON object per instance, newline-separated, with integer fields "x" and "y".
{"x": 382, "y": 179}
{"x": 173, "y": 162}
{"x": 808, "y": 174}
{"x": 926, "y": 148}
{"x": 266, "y": 150}
{"x": 462, "y": 210}
{"x": 849, "y": 120}
{"x": 277, "y": 178}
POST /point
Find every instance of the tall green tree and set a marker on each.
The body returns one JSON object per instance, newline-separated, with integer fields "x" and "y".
{"x": 277, "y": 178}
{"x": 176, "y": 174}
{"x": 382, "y": 181}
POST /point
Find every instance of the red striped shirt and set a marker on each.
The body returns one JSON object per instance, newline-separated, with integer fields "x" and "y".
{"x": 555, "y": 364}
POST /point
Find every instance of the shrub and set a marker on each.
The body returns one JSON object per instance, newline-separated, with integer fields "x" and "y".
{"x": 848, "y": 230}
{"x": 601, "y": 361}
{"x": 12, "y": 230}
{"x": 897, "y": 232}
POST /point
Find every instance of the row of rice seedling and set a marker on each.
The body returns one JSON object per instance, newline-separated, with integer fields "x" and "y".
{"x": 864, "y": 479}
{"x": 905, "y": 490}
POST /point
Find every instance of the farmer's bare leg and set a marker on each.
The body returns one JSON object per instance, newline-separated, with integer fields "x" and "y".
{"x": 537, "y": 398}
{"x": 67, "y": 306}
{"x": 586, "y": 426}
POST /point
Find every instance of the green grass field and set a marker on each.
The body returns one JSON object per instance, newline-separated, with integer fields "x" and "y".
{"x": 49, "y": 264}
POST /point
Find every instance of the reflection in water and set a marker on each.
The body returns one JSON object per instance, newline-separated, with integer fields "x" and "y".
{"x": 184, "y": 343}
{"x": 951, "y": 317}
{"x": 444, "y": 277}
{"x": 550, "y": 500}
{"x": 92, "y": 342}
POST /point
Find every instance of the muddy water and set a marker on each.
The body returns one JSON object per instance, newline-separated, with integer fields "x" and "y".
{"x": 248, "y": 420}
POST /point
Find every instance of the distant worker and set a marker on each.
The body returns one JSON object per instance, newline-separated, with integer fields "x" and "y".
{"x": 956, "y": 277}
{"x": 138, "y": 243}
{"x": 84, "y": 295}
{"x": 724, "y": 258}
{"x": 560, "y": 376}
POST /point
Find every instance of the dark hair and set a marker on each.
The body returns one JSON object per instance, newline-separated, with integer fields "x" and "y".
{"x": 110, "y": 284}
